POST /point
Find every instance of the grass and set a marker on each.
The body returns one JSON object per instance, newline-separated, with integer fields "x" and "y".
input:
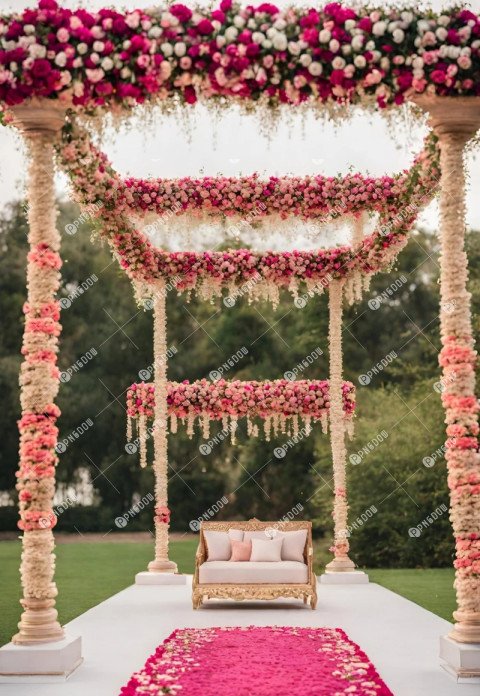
{"x": 88, "y": 573}
{"x": 432, "y": 588}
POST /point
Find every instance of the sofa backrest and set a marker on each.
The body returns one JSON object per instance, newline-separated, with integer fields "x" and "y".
{"x": 255, "y": 525}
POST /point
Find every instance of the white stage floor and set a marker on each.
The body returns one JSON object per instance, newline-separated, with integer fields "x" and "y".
{"x": 400, "y": 638}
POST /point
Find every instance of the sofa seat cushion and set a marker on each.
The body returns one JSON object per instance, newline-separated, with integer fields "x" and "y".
{"x": 254, "y": 572}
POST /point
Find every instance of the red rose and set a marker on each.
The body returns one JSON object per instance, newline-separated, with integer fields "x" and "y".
{"x": 190, "y": 95}
{"x": 119, "y": 26}
{"x": 41, "y": 67}
{"x": 268, "y": 9}
{"x": 205, "y": 27}
{"x": 405, "y": 80}
{"x": 47, "y": 5}
{"x": 225, "y": 5}
{"x": 365, "y": 24}
{"x": 219, "y": 16}
{"x": 337, "y": 76}
{"x": 438, "y": 76}
{"x": 182, "y": 13}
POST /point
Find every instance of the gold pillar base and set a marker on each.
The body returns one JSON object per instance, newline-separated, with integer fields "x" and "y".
{"x": 162, "y": 566}
{"x": 38, "y": 623}
{"x": 340, "y": 564}
{"x": 467, "y": 627}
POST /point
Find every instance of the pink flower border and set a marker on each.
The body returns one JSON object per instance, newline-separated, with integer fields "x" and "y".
{"x": 458, "y": 359}
{"x": 245, "y": 53}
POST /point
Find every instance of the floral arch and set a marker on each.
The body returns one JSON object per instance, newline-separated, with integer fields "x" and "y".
{"x": 60, "y": 67}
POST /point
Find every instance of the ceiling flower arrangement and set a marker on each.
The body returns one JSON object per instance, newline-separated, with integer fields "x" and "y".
{"x": 100, "y": 189}
{"x": 253, "y": 54}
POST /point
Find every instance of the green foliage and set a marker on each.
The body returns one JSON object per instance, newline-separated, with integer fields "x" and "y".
{"x": 395, "y": 435}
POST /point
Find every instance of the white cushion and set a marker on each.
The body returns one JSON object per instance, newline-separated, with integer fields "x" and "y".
{"x": 293, "y": 544}
{"x": 219, "y": 547}
{"x": 257, "y": 535}
{"x": 267, "y": 550}
{"x": 245, "y": 572}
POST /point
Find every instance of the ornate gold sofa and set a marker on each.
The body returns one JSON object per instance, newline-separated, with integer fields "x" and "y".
{"x": 233, "y": 581}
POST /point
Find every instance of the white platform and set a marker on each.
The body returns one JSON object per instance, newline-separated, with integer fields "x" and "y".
{"x": 400, "y": 638}
{"x": 44, "y": 663}
{"x": 146, "y": 578}
{"x": 461, "y": 660}
{"x": 349, "y": 577}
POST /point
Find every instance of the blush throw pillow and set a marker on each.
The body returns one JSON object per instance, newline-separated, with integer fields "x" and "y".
{"x": 241, "y": 550}
{"x": 219, "y": 543}
{"x": 267, "y": 550}
{"x": 293, "y": 545}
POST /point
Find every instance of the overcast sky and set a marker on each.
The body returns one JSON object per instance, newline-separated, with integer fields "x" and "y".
{"x": 232, "y": 144}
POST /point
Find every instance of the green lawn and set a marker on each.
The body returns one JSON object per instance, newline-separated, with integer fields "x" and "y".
{"x": 431, "y": 588}
{"x": 88, "y": 573}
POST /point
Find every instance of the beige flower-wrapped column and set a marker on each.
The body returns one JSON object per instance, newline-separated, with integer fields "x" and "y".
{"x": 341, "y": 561}
{"x": 161, "y": 565}
{"x": 455, "y": 121}
{"x": 40, "y": 123}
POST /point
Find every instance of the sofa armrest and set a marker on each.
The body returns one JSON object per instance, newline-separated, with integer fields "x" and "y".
{"x": 200, "y": 557}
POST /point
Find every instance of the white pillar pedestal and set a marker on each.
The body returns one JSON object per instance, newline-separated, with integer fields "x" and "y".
{"x": 148, "y": 578}
{"x": 350, "y": 577}
{"x": 43, "y": 663}
{"x": 461, "y": 660}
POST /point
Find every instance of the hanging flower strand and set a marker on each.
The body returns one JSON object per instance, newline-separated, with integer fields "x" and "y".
{"x": 103, "y": 194}
{"x": 278, "y": 403}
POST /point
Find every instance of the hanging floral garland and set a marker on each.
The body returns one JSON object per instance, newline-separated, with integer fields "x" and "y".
{"x": 280, "y": 403}
{"x": 305, "y": 197}
{"x": 99, "y": 188}
{"x": 257, "y": 55}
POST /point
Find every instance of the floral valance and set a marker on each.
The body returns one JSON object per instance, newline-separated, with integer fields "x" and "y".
{"x": 314, "y": 197}
{"x": 254, "y": 55}
{"x": 278, "y": 403}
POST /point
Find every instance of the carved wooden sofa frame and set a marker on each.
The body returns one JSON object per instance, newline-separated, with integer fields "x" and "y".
{"x": 205, "y": 591}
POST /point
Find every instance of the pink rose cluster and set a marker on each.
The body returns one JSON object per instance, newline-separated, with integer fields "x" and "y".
{"x": 458, "y": 359}
{"x": 239, "y": 398}
{"x": 38, "y": 459}
{"x": 95, "y": 181}
{"x": 162, "y": 514}
{"x": 37, "y": 427}
{"x": 109, "y": 58}
{"x": 305, "y": 197}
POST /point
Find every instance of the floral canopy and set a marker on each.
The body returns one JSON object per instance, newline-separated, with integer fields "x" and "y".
{"x": 61, "y": 68}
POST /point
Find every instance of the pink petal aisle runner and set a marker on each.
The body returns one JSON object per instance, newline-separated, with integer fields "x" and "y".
{"x": 257, "y": 661}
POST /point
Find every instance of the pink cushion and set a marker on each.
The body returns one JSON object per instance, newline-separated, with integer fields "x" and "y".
{"x": 241, "y": 550}
{"x": 218, "y": 543}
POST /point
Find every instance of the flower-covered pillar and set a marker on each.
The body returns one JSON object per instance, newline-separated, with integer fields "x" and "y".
{"x": 161, "y": 563}
{"x": 341, "y": 562}
{"x": 455, "y": 121}
{"x": 40, "y": 123}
